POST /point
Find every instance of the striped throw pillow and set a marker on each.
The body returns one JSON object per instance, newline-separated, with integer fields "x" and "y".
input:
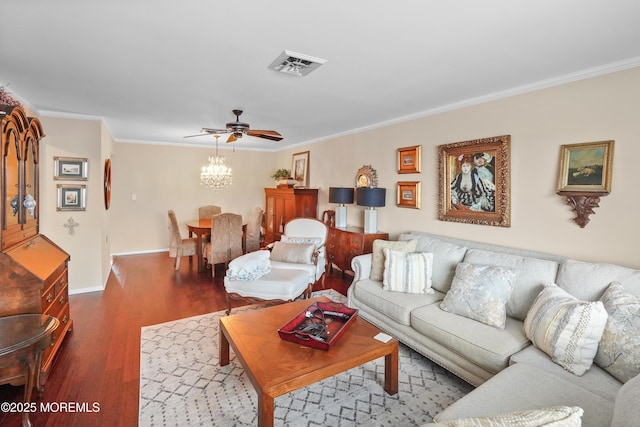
{"x": 408, "y": 272}
{"x": 566, "y": 328}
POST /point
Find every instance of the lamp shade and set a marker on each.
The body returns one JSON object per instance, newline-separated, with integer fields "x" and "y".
{"x": 340, "y": 195}
{"x": 373, "y": 197}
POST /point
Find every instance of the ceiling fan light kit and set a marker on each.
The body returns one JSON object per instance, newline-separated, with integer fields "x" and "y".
{"x": 296, "y": 64}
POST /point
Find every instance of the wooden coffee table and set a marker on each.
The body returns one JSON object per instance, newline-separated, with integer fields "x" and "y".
{"x": 276, "y": 367}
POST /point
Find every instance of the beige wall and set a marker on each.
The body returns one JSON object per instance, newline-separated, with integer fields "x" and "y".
{"x": 602, "y": 108}
{"x": 164, "y": 177}
{"x": 167, "y": 177}
{"x": 88, "y": 268}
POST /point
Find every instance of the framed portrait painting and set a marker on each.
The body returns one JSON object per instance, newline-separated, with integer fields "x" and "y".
{"x": 70, "y": 168}
{"x": 586, "y": 167}
{"x": 72, "y": 197}
{"x": 474, "y": 181}
{"x": 300, "y": 168}
{"x": 408, "y": 194}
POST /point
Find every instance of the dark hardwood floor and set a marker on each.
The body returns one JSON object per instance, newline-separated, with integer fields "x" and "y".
{"x": 99, "y": 361}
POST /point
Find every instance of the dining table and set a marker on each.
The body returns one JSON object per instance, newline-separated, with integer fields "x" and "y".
{"x": 201, "y": 228}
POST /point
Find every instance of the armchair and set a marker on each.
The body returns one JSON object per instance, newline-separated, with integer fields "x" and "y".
{"x": 303, "y": 231}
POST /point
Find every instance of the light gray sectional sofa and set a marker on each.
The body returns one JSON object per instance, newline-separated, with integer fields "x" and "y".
{"x": 510, "y": 372}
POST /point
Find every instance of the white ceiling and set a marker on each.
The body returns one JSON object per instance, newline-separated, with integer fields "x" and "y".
{"x": 157, "y": 70}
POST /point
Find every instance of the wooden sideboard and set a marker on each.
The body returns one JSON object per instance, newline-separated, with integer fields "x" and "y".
{"x": 345, "y": 243}
{"x": 33, "y": 269}
{"x": 284, "y": 204}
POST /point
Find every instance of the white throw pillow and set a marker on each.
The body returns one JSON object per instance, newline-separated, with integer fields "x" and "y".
{"x": 296, "y": 253}
{"x": 480, "y": 292}
{"x": 407, "y": 272}
{"x": 250, "y": 266}
{"x": 377, "y": 257}
{"x": 556, "y": 416}
{"x": 619, "y": 349}
{"x": 566, "y": 328}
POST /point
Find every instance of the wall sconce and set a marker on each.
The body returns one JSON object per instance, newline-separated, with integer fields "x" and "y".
{"x": 371, "y": 197}
{"x": 341, "y": 196}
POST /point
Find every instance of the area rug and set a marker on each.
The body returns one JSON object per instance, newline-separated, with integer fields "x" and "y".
{"x": 182, "y": 385}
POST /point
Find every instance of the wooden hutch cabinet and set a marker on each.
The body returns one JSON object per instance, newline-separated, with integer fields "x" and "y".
{"x": 284, "y": 204}
{"x": 345, "y": 243}
{"x": 33, "y": 269}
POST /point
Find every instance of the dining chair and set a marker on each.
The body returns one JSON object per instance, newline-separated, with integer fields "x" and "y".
{"x": 226, "y": 240}
{"x": 208, "y": 211}
{"x": 253, "y": 235}
{"x": 179, "y": 247}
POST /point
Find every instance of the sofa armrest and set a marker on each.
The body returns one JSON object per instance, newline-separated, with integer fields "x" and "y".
{"x": 361, "y": 266}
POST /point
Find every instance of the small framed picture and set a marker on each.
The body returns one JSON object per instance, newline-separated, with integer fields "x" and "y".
{"x": 72, "y": 197}
{"x": 300, "y": 168}
{"x": 410, "y": 159}
{"x": 586, "y": 167}
{"x": 70, "y": 168}
{"x": 408, "y": 194}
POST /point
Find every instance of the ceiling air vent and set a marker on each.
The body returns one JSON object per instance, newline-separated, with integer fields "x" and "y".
{"x": 296, "y": 64}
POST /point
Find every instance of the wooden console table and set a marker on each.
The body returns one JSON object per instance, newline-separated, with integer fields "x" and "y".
{"x": 345, "y": 243}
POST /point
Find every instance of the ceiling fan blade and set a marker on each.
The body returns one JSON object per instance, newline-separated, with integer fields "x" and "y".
{"x": 200, "y": 134}
{"x": 232, "y": 138}
{"x": 214, "y": 131}
{"x": 266, "y": 134}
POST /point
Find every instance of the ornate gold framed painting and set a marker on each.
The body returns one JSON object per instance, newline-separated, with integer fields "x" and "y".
{"x": 408, "y": 194}
{"x": 586, "y": 167}
{"x": 475, "y": 181}
{"x": 410, "y": 159}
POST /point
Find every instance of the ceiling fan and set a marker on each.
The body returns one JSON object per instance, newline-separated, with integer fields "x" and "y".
{"x": 238, "y": 128}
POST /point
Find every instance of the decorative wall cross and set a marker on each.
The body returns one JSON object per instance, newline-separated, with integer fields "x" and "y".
{"x": 71, "y": 225}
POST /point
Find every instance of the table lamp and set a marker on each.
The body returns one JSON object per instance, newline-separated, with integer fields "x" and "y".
{"x": 341, "y": 196}
{"x": 371, "y": 197}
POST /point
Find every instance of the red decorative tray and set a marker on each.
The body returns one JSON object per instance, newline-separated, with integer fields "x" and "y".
{"x": 319, "y": 325}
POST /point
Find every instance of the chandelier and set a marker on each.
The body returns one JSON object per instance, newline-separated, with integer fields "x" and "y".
{"x": 216, "y": 175}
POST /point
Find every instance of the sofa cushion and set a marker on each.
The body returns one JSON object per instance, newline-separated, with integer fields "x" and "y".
{"x": 480, "y": 292}
{"x": 377, "y": 262}
{"x": 407, "y": 272}
{"x": 446, "y": 257}
{"x": 565, "y": 328}
{"x": 483, "y": 345}
{"x": 555, "y": 416}
{"x": 588, "y": 281}
{"x": 395, "y": 305}
{"x": 619, "y": 349}
{"x": 533, "y": 274}
{"x": 626, "y": 411}
{"x": 521, "y": 387}
{"x": 596, "y": 380}
{"x": 296, "y": 253}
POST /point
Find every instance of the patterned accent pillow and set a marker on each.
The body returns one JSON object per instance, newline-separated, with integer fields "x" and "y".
{"x": 317, "y": 241}
{"x": 407, "y": 272}
{"x": 377, "y": 259}
{"x": 296, "y": 253}
{"x": 480, "y": 292}
{"x": 565, "y": 416}
{"x": 619, "y": 349}
{"x": 250, "y": 266}
{"x": 566, "y": 328}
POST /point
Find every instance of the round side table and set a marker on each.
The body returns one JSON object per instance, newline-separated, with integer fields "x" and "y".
{"x": 23, "y": 338}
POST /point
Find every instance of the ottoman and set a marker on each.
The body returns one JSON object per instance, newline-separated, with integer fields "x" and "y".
{"x": 277, "y": 285}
